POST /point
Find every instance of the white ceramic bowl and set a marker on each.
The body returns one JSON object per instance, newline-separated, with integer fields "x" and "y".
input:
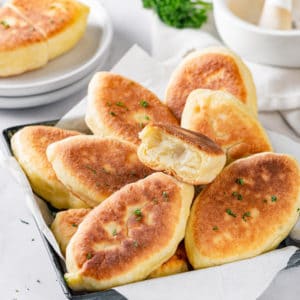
{"x": 272, "y": 47}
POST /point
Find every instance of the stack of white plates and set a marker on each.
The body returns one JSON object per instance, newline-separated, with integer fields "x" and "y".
{"x": 67, "y": 74}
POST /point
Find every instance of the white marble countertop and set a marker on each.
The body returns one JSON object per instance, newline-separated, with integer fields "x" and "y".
{"x": 25, "y": 269}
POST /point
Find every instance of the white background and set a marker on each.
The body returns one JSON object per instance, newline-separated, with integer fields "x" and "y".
{"x": 23, "y": 261}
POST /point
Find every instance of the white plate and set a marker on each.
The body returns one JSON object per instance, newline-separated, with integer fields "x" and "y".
{"x": 70, "y": 67}
{"x": 43, "y": 99}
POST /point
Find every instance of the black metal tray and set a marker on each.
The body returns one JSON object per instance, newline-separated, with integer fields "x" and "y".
{"x": 56, "y": 262}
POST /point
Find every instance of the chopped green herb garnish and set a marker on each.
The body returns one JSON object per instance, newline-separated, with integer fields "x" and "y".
{"x": 17, "y": 291}
{"x": 215, "y": 228}
{"x": 144, "y": 103}
{"x": 239, "y": 181}
{"x": 114, "y": 233}
{"x": 245, "y": 215}
{"x": 121, "y": 104}
{"x": 165, "y": 195}
{"x": 38, "y": 281}
{"x": 113, "y": 114}
{"x": 138, "y": 214}
{"x": 230, "y": 213}
{"x": 91, "y": 169}
{"x": 4, "y": 24}
{"x": 273, "y": 198}
{"x": 237, "y": 195}
{"x": 74, "y": 225}
{"x": 89, "y": 255}
{"x": 24, "y": 222}
{"x": 32, "y": 239}
{"x": 136, "y": 244}
{"x": 298, "y": 210}
{"x": 147, "y": 118}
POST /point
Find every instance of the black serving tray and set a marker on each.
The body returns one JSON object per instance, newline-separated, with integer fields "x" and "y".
{"x": 56, "y": 261}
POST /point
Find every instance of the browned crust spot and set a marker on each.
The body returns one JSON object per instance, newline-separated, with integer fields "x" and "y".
{"x": 215, "y": 71}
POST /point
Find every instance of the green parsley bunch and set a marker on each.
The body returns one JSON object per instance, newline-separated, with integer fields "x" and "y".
{"x": 180, "y": 13}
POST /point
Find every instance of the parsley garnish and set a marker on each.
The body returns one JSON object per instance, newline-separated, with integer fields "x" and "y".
{"x": 147, "y": 118}
{"x": 74, "y": 225}
{"x": 239, "y": 181}
{"x": 273, "y": 198}
{"x": 215, "y": 228}
{"x": 138, "y": 214}
{"x": 237, "y": 195}
{"x": 114, "y": 233}
{"x": 144, "y": 103}
{"x": 180, "y": 14}
{"x": 136, "y": 244}
{"x": 38, "y": 281}
{"x": 113, "y": 114}
{"x": 121, "y": 104}
{"x": 89, "y": 255}
{"x": 245, "y": 215}
{"x": 4, "y": 24}
{"x": 230, "y": 213}
{"x": 165, "y": 195}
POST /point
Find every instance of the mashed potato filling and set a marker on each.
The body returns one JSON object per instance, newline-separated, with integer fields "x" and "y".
{"x": 165, "y": 151}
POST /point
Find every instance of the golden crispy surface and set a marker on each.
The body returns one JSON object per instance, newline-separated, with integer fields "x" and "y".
{"x": 15, "y": 31}
{"x": 29, "y": 147}
{"x": 222, "y": 118}
{"x": 65, "y": 225}
{"x": 32, "y": 32}
{"x": 178, "y": 263}
{"x": 49, "y": 16}
{"x": 189, "y": 156}
{"x": 130, "y": 234}
{"x": 22, "y": 47}
{"x": 120, "y": 107}
{"x": 93, "y": 168}
{"x": 249, "y": 209}
{"x": 215, "y": 69}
